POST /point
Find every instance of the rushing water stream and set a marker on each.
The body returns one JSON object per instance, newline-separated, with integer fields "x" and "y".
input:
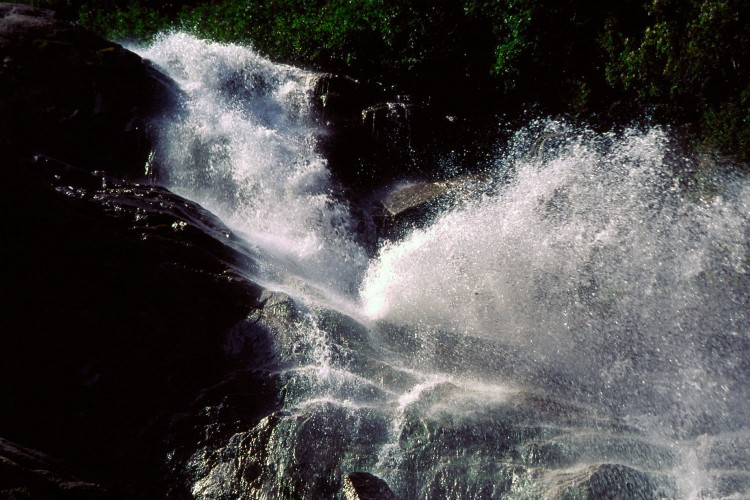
{"x": 582, "y": 321}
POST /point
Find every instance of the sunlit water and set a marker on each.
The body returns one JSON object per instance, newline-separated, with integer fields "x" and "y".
{"x": 244, "y": 147}
{"x": 589, "y": 306}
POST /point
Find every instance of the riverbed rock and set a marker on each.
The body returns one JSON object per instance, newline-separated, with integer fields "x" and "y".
{"x": 617, "y": 481}
{"x": 74, "y": 96}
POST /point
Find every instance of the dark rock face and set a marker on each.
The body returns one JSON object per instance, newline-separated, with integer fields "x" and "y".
{"x": 379, "y": 137}
{"x": 69, "y": 94}
{"x": 341, "y": 99}
{"x": 26, "y": 473}
{"x": 365, "y": 486}
{"x": 129, "y": 333}
{"x": 125, "y": 305}
{"x": 382, "y": 146}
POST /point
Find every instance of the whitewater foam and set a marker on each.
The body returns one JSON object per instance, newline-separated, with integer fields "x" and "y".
{"x": 595, "y": 261}
{"x": 245, "y": 148}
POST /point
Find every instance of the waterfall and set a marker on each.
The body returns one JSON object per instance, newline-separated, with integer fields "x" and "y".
{"x": 583, "y": 315}
{"x": 244, "y": 147}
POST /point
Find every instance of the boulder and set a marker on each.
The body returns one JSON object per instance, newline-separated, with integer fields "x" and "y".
{"x": 365, "y": 486}
{"x": 611, "y": 481}
{"x": 377, "y": 136}
{"x": 69, "y": 94}
{"x": 410, "y": 203}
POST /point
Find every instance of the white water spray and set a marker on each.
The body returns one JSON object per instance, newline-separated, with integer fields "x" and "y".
{"x": 593, "y": 261}
{"x": 245, "y": 149}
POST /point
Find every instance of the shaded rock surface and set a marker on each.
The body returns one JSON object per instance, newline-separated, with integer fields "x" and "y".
{"x": 379, "y": 137}
{"x": 126, "y": 308}
{"x": 365, "y": 486}
{"x": 26, "y": 473}
{"x": 69, "y": 94}
{"x": 128, "y": 329}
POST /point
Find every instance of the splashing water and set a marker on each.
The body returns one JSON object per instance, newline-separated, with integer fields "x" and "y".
{"x": 245, "y": 149}
{"x": 606, "y": 279}
{"x": 592, "y": 309}
{"x": 595, "y": 260}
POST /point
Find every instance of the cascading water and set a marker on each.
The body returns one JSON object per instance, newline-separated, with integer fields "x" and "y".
{"x": 244, "y": 147}
{"x": 582, "y": 322}
{"x": 595, "y": 262}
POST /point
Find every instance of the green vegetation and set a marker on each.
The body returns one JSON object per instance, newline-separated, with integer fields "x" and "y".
{"x": 684, "y": 61}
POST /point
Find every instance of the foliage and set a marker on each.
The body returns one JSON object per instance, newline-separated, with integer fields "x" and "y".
{"x": 134, "y": 21}
{"x": 685, "y": 61}
{"x": 690, "y": 64}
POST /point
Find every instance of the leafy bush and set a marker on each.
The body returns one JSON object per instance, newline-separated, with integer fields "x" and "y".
{"x": 134, "y": 21}
{"x": 683, "y": 60}
{"x": 690, "y": 64}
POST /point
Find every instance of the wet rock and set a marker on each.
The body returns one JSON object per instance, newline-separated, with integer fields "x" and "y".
{"x": 355, "y": 155}
{"x": 74, "y": 96}
{"x": 458, "y": 442}
{"x": 388, "y": 123}
{"x": 414, "y": 195}
{"x": 609, "y": 481}
{"x": 365, "y": 486}
{"x": 121, "y": 303}
{"x": 411, "y": 203}
{"x": 378, "y": 135}
{"x": 373, "y": 147}
{"x": 728, "y": 459}
{"x": 317, "y": 445}
{"x": 340, "y": 99}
